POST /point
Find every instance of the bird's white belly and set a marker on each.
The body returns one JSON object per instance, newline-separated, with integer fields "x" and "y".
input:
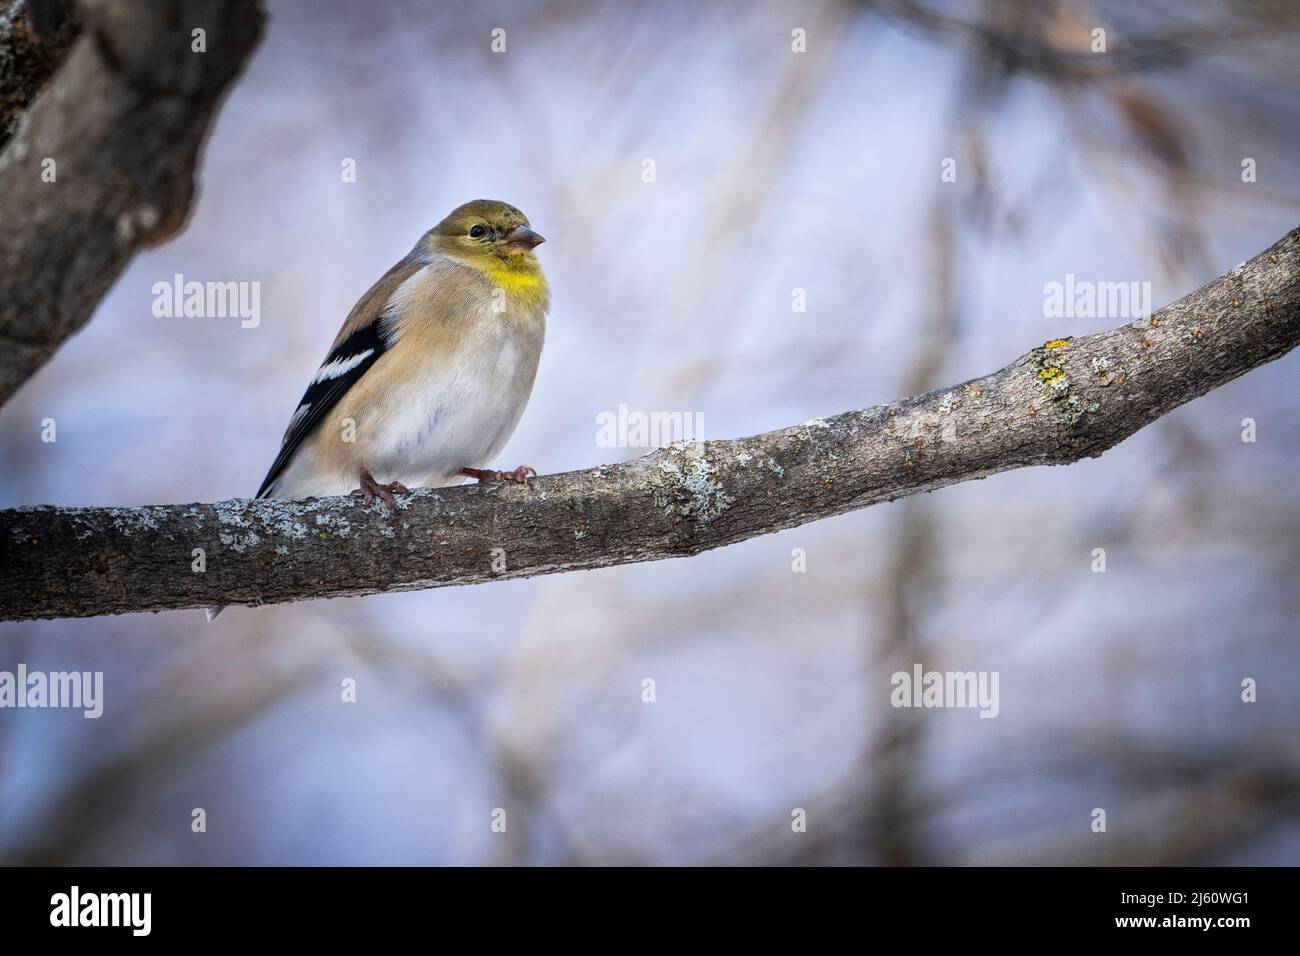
{"x": 454, "y": 414}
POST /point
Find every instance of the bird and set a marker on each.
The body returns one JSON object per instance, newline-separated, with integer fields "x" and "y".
{"x": 430, "y": 373}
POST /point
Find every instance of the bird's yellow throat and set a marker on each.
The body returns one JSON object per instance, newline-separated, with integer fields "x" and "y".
{"x": 524, "y": 284}
{"x": 520, "y": 276}
{"x": 516, "y": 280}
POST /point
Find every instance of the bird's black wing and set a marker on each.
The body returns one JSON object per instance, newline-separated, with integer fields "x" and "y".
{"x": 342, "y": 368}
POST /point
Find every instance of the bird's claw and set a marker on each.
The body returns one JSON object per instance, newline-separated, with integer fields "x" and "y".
{"x": 371, "y": 489}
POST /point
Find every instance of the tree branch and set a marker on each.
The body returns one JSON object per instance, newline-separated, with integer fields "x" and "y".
{"x": 1061, "y": 402}
{"x": 34, "y": 37}
{"x": 1015, "y": 35}
{"x": 122, "y": 121}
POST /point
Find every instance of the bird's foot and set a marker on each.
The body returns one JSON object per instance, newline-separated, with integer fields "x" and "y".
{"x": 520, "y": 474}
{"x": 371, "y": 489}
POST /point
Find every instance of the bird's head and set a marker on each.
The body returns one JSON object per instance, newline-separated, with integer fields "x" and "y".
{"x": 490, "y": 236}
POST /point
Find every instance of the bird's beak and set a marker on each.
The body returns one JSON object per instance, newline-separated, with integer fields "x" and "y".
{"x": 522, "y": 239}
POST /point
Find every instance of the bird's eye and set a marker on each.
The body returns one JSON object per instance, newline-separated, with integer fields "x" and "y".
{"x": 478, "y": 232}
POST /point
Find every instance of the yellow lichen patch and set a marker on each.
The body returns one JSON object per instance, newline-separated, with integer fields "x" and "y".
{"x": 1057, "y": 344}
{"x": 1050, "y": 374}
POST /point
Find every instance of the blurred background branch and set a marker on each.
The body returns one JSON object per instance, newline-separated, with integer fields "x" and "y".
{"x": 1052, "y": 39}
{"x": 102, "y": 164}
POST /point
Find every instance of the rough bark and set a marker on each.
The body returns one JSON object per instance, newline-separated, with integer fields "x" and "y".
{"x": 123, "y": 119}
{"x": 34, "y": 37}
{"x": 1063, "y": 401}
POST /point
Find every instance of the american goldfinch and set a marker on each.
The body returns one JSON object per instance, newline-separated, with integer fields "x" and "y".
{"x": 429, "y": 375}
